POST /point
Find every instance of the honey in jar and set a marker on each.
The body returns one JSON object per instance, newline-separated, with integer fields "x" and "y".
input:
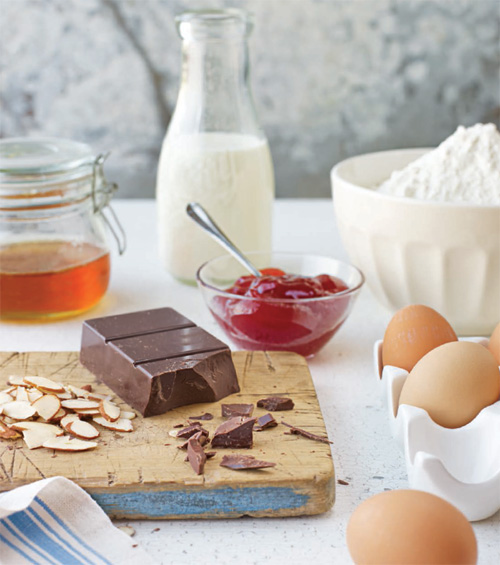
{"x": 54, "y": 257}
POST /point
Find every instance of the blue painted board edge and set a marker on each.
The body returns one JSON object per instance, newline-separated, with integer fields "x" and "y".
{"x": 212, "y": 502}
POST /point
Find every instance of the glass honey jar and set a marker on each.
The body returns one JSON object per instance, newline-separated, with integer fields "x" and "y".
{"x": 54, "y": 255}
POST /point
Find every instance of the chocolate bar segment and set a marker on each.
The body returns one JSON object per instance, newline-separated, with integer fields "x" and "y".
{"x": 156, "y": 360}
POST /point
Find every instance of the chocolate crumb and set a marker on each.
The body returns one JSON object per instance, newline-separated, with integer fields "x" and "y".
{"x": 190, "y": 430}
{"x": 306, "y": 434}
{"x": 196, "y": 456}
{"x": 243, "y": 462}
{"x": 265, "y": 422}
{"x": 234, "y": 410}
{"x": 206, "y": 416}
{"x": 135, "y": 545}
{"x": 342, "y": 482}
{"x": 155, "y": 530}
{"x": 236, "y": 432}
{"x": 178, "y": 426}
{"x": 88, "y": 388}
{"x": 201, "y": 436}
{"x": 276, "y": 403}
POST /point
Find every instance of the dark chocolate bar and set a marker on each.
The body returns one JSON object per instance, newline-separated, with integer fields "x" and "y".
{"x": 156, "y": 360}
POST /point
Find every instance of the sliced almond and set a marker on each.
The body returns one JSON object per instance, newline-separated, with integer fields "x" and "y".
{"x": 98, "y": 397}
{"x": 120, "y": 425}
{"x": 66, "y": 395}
{"x": 5, "y": 397}
{"x": 47, "y": 406}
{"x": 82, "y": 430}
{"x": 21, "y": 394}
{"x": 22, "y": 426}
{"x": 33, "y": 394}
{"x": 16, "y": 380}
{"x": 80, "y": 404}
{"x": 64, "y": 443}
{"x": 67, "y": 420}
{"x": 87, "y": 412}
{"x": 78, "y": 392}
{"x": 56, "y": 419}
{"x": 18, "y": 410}
{"x": 111, "y": 412}
{"x": 7, "y": 433}
{"x": 127, "y": 530}
{"x": 44, "y": 384}
{"x": 127, "y": 414}
{"x": 35, "y": 434}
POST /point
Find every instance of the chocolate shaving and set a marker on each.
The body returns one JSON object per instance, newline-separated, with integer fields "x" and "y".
{"x": 306, "y": 434}
{"x": 196, "y": 456}
{"x": 242, "y": 462}
{"x": 276, "y": 403}
{"x": 206, "y": 416}
{"x": 190, "y": 430}
{"x": 236, "y": 432}
{"x": 234, "y": 410}
{"x": 201, "y": 437}
{"x": 265, "y": 422}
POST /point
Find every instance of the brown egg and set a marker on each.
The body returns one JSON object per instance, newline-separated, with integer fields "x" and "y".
{"x": 494, "y": 344}
{"x": 453, "y": 383}
{"x": 403, "y": 527}
{"x": 412, "y": 332}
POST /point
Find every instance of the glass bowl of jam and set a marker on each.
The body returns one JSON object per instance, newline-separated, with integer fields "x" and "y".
{"x": 298, "y": 304}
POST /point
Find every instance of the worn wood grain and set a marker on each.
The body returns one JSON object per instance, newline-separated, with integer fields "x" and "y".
{"x": 143, "y": 474}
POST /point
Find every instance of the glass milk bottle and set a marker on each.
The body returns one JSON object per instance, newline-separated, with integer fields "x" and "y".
{"x": 214, "y": 151}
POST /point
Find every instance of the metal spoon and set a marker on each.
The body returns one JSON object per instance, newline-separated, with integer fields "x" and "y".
{"x": 197, "y": 213}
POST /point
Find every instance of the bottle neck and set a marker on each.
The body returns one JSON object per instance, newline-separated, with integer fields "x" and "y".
{"x": 215, "y": 92}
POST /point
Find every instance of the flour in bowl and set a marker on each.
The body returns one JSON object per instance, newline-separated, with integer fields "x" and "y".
{"x": 464, "y": 168}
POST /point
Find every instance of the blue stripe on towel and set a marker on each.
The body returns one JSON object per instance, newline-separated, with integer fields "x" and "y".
{"x": 27, "y": 525}
{"x": 27, "y": 543}
{"x": 64, "y": 526}
{"x": 18, "y": 550}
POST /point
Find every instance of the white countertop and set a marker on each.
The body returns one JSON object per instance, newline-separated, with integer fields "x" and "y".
{"x": 364, "y": 453}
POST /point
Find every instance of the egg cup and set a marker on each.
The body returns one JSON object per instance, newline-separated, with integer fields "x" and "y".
{"x": 461, "y": 465}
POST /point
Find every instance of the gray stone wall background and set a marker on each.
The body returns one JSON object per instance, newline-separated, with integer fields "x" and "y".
{"x": 330, "y": 79}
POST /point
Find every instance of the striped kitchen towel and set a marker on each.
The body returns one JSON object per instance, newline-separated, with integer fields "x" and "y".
{"x": 55, "y": 522}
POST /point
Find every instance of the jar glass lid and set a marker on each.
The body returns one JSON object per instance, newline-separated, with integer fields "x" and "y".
{"x": 26, "y": 156}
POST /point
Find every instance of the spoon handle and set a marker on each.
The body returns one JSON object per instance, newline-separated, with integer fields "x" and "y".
{"x": 203, "y": 219}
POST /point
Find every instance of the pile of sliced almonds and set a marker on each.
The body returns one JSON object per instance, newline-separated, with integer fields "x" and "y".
{"x": 56, "y": 416}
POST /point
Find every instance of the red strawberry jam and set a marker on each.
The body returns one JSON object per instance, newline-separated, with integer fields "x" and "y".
{"x": 277, "y": 312}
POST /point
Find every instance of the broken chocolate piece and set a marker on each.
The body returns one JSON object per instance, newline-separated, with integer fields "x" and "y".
{"x": 196, "y": 456}
{"x": 242, "y": 462}
{"x": 206, "y": 416}
{"x": 306, "y": 434}
{"x": 236, "y": 432}
{"x": 156, "y": 360}
{"x": 264, "y": 422}
{"x": 201, "y": 436}
{"x": 189, "y": 431}
{"x": 233, "y": 410}
{"x": 276, "y": 403}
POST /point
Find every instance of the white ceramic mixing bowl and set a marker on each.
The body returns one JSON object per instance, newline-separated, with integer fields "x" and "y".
{"x": 443, "y": 255}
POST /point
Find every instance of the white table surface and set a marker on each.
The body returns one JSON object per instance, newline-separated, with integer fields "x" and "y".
{"x": 364, "y": 452}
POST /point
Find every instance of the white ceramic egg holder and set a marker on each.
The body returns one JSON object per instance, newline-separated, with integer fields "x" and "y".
{"x": 461, "y": 465}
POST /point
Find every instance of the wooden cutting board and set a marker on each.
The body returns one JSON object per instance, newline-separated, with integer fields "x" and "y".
{"x": 144, "y": 475}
